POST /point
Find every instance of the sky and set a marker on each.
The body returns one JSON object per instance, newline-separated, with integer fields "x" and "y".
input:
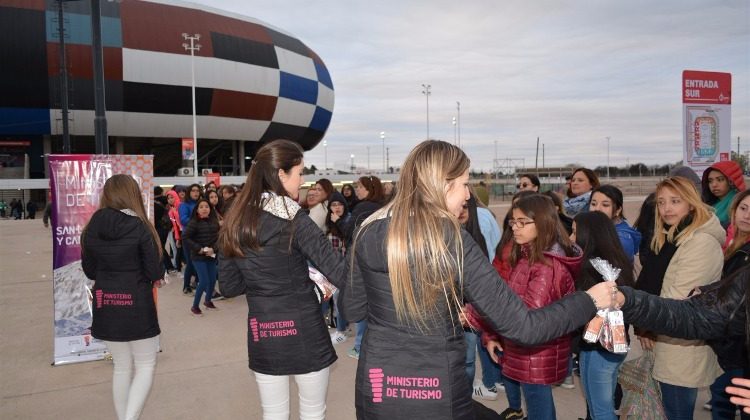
{"x": 569, "y": 72}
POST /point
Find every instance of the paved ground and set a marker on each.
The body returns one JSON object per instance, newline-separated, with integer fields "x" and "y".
{"x": 201, "y": 374}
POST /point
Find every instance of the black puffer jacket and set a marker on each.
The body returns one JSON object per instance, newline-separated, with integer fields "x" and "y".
{"x": 405, "y": 373}
{"x": 286, "y": 331}
{"x": 198, "y": 234}
{"x": 118, "y": 253}
{"x": 701, "y": 317}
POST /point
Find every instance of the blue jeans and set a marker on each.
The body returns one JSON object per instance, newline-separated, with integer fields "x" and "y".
{"x": 189, "y": 268}
{"x": 361, "y": 328}
{"x": 599, "y": 369}
{"x": 471, "y": 356}
{"x": 678, "y": 401}
{"x": 539, "y": 402}
{"x": 491, "y": 371}
{"x": 206, "y": 270}
{"x": 721, "y": 407}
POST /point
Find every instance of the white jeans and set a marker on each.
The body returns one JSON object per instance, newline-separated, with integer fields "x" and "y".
{"x": 274, "y": 395}
{"x": 130, "y": 391}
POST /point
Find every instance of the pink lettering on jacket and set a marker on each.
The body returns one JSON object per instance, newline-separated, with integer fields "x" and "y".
{"x": 271, "y": 329}
{"x": 113, "y": 299}
{"x": 405, "y": 387}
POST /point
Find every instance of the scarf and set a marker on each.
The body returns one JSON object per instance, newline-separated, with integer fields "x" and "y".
{"x": 722, "y": 207}
{"x": 576, "y": 205}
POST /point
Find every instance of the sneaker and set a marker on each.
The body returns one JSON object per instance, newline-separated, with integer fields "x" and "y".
{"x": 481, "y": 391}
{"x": 338, "y": 337}
{"x": 217, "y": 296}
{"x": 353, "y": 353}
{"x": 196, "y": 311}
{"x": 568, "y": 383}
{"x": 500, "y": 387}
{"x": 707, "y": 406}
{"x": 186, "y": 291}
{"x": 511, "y": 414}
{"x": 209, "y": 305}
{"x": 172, "y": 271}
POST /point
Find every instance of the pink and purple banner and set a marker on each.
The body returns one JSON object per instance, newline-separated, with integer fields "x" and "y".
{"x": 76, "y": 183}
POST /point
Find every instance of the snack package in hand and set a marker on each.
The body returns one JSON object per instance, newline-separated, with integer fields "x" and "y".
{"x": 610, "y": 322}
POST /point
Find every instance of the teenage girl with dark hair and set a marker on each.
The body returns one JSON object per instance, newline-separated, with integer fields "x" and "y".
{"x": 265, "y": 245}
{"x": 595, "y": 234}
{"x": 199, "y": 237}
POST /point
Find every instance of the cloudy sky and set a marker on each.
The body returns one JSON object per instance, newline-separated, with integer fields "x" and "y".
{"x": 569, "y": 72}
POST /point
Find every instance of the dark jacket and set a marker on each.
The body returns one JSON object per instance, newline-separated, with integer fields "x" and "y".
{"x": 361, "y": 211}
{"x": 198, "y": 234}
{"x": 118, "y": 253}
{"x": 538, "y": 285}
{"x": 286, "y": 332}
{"x": 701, "y": 317}
{"x": 407, "y": 373}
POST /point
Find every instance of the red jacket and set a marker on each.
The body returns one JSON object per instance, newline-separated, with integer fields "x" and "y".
{"x": 539, "y": 285}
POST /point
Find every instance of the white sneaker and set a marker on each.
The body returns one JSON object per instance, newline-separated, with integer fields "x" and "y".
{"x": 481, "y": 391}
{"x": 568, "y": 383}
{"x": 500, "y": 387}
{"x": 707, "y": 406}
{"x": 338, "y": 337}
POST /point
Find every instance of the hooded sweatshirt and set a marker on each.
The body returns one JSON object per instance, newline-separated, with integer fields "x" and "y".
{"x": 732, "y": 171}
{"x": 629, "y": 238}
{"x": 174, "y": 214}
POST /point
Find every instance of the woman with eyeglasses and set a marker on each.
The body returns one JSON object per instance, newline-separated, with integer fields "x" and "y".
{"x": 528, "y": 182}
{"x": 544, "y": 265}
{"x": 412, "y": 290}
{"x": 687, "y": 253}
{"x": 582, "y": 182}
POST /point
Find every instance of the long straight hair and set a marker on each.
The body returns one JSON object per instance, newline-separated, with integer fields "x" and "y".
{"x": 550, "y": 230}
{"x": 121, "y": 192}
{"x": 240, "y": 227}
{"x": 423, "y": 243}
{"x": 740, "y": 238}
{"x": 700, "y": 213}
{"x": 597, "y": 237}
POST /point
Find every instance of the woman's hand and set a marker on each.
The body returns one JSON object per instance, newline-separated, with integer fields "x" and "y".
{"x": 335, "y": 217}
{"x": 604, "y": 295}
{"x": 159, "y": 283}
{"x": 493, "y": 347}
{"x": 741, "y": 393}
{"x": 646, "y": 343}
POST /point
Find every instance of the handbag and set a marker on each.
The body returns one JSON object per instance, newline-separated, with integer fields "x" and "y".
{"x": 641, "y": 394}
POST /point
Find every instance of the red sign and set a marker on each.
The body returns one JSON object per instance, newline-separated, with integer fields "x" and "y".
{"x": 706, "y": 87}
{"x": 215, "y": 177}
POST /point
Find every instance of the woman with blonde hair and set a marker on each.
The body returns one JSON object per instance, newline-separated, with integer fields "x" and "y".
{"x": 412, "y": 269}
{"x": 687, "y": 246}
{"x": 121, "y": 251}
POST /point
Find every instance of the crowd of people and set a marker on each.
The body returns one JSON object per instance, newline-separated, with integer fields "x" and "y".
{"x": 424, "y": 279}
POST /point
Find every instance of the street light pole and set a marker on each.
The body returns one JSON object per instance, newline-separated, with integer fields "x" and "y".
{"x": 458, "y": 122}
{"x": 63, "y": 79}
{"x": 426, "y": 92}
{"x": 454, "y": 131}
{"x": 607, "y": 157}
{"x": 193, "y": 47}
{"x": 325, "y": 155}
{"x": 382, "y": 137}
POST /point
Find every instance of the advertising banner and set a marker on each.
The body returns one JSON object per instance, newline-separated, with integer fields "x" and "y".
{"x": 706, "y": 118}
{"x": 76, "y": 183}
{"x": 188, "y": 149}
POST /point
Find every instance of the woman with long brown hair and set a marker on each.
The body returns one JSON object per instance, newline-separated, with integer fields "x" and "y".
{"x": 412, "y": 269}
{"x": 121, "y": 251}
{"x": 265, "y": 244}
